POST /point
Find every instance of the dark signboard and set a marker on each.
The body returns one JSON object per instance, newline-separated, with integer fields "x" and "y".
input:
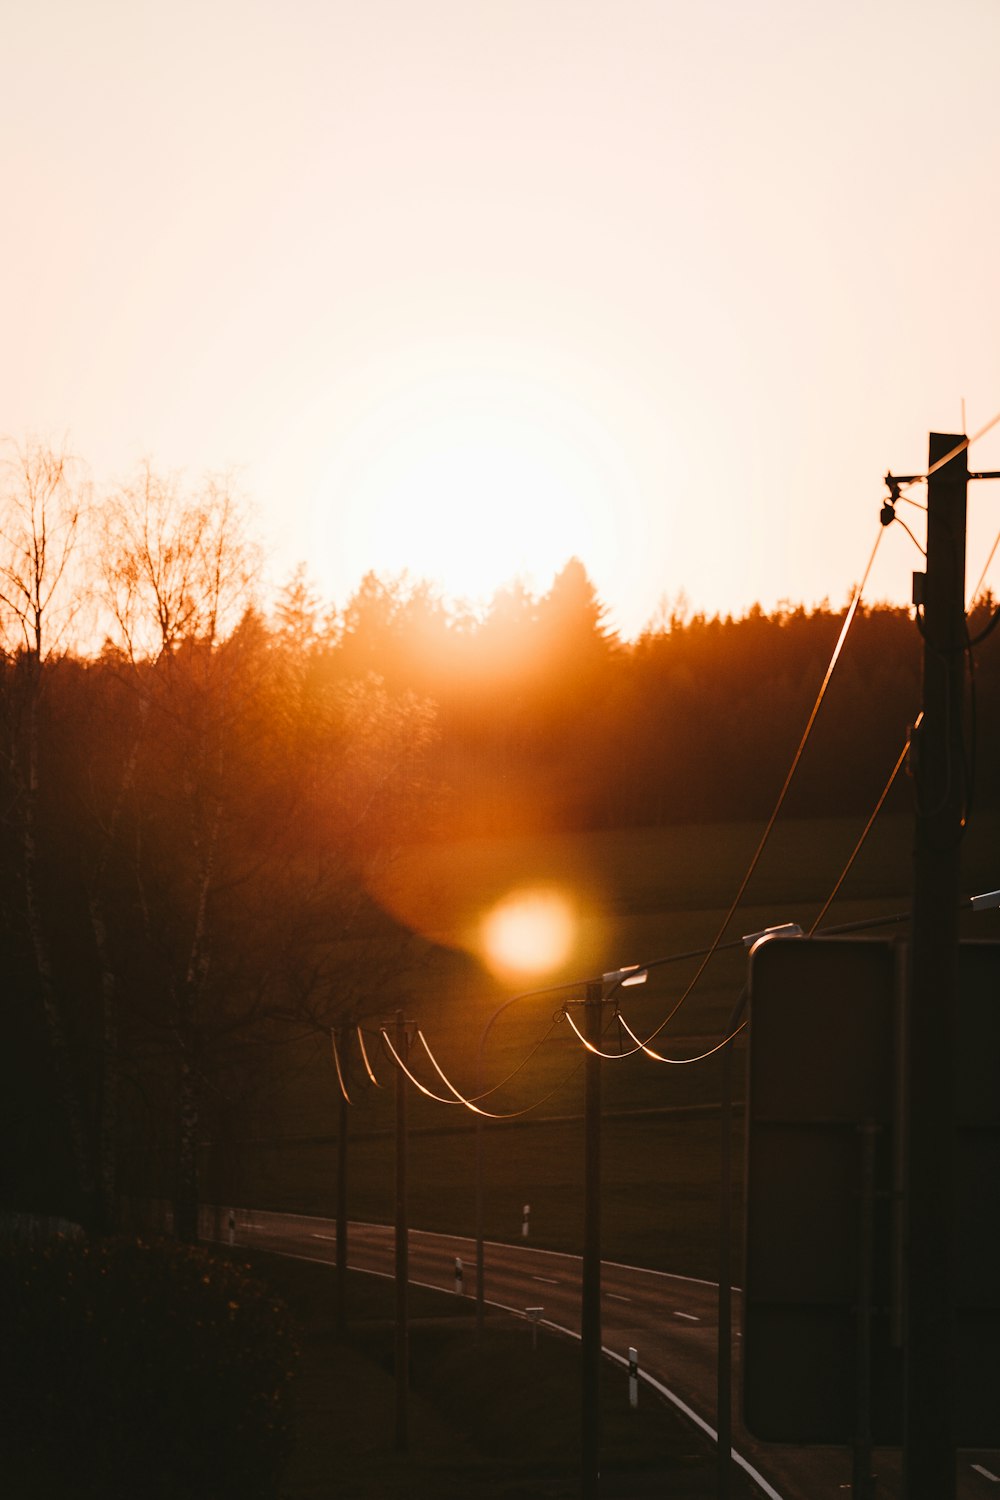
{"x": 825, "y": 1257}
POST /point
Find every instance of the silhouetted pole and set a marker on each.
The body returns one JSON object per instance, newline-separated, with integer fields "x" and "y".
{"x": 724, "y": 1352}
{"x": 342, "y": 1216}
{"x": 402, "y": 1246}
{"x": 938, "y": 766}
{"x": 480, "y": 1257}
{"x": 863, "y": 1480}
{"x": 590, "y": 1312}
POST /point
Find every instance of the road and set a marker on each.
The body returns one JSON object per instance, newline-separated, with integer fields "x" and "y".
{"x": 670, "y": 1320}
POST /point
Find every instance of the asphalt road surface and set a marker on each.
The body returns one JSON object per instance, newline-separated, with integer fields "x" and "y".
{"x": 672, "y": 1321}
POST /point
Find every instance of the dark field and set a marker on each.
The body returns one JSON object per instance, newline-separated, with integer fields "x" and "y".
{"x": 473, "y": 1428}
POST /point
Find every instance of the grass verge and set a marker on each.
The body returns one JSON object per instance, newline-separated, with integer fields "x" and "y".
{"x": 497, "y": 1421}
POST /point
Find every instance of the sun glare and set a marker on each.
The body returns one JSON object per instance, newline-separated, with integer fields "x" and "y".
{"x": 531, "y": 931}
{"x": 470, "y": 477}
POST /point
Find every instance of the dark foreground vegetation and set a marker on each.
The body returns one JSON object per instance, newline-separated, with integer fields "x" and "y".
{"x": 202, "y": 801}
{"x": 131, "y": 1368}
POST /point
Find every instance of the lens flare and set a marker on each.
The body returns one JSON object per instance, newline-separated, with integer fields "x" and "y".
{"x": 531, "y": 931}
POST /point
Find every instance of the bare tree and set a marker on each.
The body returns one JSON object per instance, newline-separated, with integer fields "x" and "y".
{"x": 41, "y": 493}
{"x": 176, "y": 569}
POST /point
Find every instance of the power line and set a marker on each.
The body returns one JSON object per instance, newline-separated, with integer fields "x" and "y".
{"x": 867, "y": 830}
{"x": 986, "y": 568}
{"x": 475, "y": 1098}
{"x": 364, "y": 1058}
{"x": 755, "y": 860}
{"x": 644, "y": 1048}
{"x": 336, "y": 1063}
{"x": 459, "y": 1098}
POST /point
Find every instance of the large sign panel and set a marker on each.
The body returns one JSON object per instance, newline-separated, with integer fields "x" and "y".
{"x": 825, "y": 1256}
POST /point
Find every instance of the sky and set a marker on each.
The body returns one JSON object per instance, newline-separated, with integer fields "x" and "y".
{"x": 468, "y": 287}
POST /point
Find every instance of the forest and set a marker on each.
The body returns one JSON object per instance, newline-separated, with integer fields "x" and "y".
{"x": 197, "y": 783}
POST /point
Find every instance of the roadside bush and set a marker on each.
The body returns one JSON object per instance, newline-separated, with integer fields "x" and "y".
{"x": 133, "y": 1368}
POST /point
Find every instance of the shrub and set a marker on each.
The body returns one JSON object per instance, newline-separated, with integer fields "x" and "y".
{"x": 134, "y": 1368}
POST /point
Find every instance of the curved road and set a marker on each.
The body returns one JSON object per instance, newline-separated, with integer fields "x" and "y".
{"x": 670, "y": 1320}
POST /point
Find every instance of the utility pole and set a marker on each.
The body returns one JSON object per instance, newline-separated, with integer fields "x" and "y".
{"x": 480, "y": 1256}
{"x": 938, "y": 766}
{"x": 590, "y": 1311}
{"x": 402, "y": 1247}
{"x": 724, "y": 1351}
{"x": 342, "y": 1215}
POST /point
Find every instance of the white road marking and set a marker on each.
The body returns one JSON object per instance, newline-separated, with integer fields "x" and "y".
{"x": 689, "y": 1316}
{"x": 548, "y": 1279}
{"x": 986, "y": 1473}
{"x": 617, "y": 1297}
{"x": 315, "y": 1236}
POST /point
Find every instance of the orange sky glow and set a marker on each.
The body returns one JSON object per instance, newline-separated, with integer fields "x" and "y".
{"x": 469, "y": 288}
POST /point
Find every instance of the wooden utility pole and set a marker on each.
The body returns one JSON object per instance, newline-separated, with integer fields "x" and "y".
{"x": 342, "y": 1214}
{"x": 402, "y": 1247}
{"x": 938, "y": 764}
{"x": 590, "y": 1310}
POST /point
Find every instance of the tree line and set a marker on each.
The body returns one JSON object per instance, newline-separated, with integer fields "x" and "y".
{"x": 193, "y": 802}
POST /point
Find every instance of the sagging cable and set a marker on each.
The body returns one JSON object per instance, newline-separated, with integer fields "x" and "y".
{"x": 681, "y": 1062}
{"x": 364, "y": 1058}
{"x": 755, "y": 860}
{"x": 867, "y": 830}
{"x": 495, "y": 1088}
{"x": 428, "y": 1093}
{"x": 336, "y": 1064}
{"x": 508, "y": 1115}
{"x": 647, "y": 1050}
{"x": 460, "y": 1098}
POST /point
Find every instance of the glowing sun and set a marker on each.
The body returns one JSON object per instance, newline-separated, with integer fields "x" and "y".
{"x": 470, "y": 477}
{"x": 531, "y": 931}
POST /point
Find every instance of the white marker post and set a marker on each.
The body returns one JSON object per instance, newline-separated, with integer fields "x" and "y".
{"x": 232, "y": 1226}
{"x": 633, "y": 1378}
{"x": 524, "y": 1221}
{"x": 458, "y": 1276}
{"x": 534, "y": 1313}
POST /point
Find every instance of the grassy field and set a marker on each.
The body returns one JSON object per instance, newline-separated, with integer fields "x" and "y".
{"x": 473, "y": 1412}
{"x": 641, "y": 895}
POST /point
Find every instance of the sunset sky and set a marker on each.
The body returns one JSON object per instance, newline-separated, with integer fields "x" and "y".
{"x": 469, "y": 286}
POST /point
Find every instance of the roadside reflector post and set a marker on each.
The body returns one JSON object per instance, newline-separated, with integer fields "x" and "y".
{"x": 633, "y": 1378}
{"x": 526, "y": 1215}
{"x": 534, "y": 1313}
{"x": 458, "y": 1275}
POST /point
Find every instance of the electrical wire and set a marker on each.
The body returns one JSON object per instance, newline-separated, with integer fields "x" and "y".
{"x": 336, "y": 1063}
{"x": 946, "y": 458}
{"x": 470, "y": 1104}
{"x": 867, "y": 830}
{"x": 900, "y": 522}
{"x": 649, "y": 1052}
{"x": 364, "y": 1058}
{"x": 460, "y": 1098}
{"x": 755, "y": 860}
{"x": 961, "y": 447}
{"x": 987, "y": 630}
{"x": 474, "y": 1098}
{"x": 986, "y": 568}
{"x": 681, "y": 1061}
